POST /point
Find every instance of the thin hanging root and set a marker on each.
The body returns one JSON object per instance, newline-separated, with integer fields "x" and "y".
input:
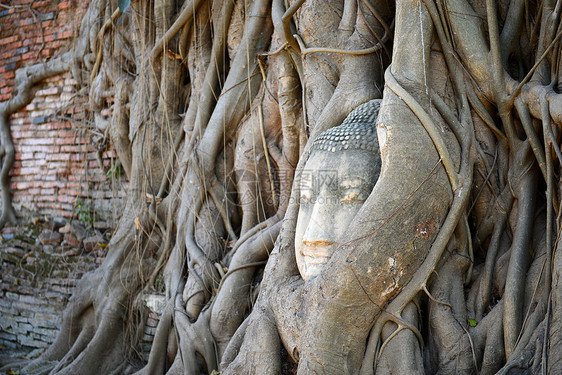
{"x": 470, "y": 249}
{"x": 519, "y": 259}
{"x": 219, "y": 269}
{"x": 161, "y": 262}
{"x": 208, "y": 97}
{"x": 553, "y": 143}
{"x": 424, "y": 288}
{"x": 495, "y": 49}
{"x": 286, "y": 21}
{"x": 536, "y": 144}
{"x": 472, "y": 351}
{"x": 244, "y": 266}
{"x": 379, "y": 40}
{"x": 374, "y": 12}
{"x": 530, "y": 307}
{"x": 168, "y": 248}
{"x": 429, "y": 126}
{"x": 170, "y": 164}
{"x": 546, "y": 334}
{"x": 183, "y": 20}
{"x": 222, "y": 201}
{"x": 250, "y": 233}
{"x": 532, "y": 71}
{"x": 485, "y": 288}
{"x": 395, "y": 318}
{"x": 482, "y": 113}
{"x": 99, "y": 43}
{"x": 266, "y": 152}
{"x": 374, "y": 350}
{"x": 485, "y": 183}
{"x": 195, "y": 254}
{"x": 545, "y": 114}
{"x": 401, "y": 326}
{"x": 366, "y": 51}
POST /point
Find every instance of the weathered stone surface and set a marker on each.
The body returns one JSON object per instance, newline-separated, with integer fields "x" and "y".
{"x": 53, "y": 224}
{"x": 76, "y": 229}
{"x": 155, "y": 302}
{"x": 90, "y": 243}
{"x": 72, "y": 240}
{"x": 66, "y": 229}
{"x": 49, "y": 237}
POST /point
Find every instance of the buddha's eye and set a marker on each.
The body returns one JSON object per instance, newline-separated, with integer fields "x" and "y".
{"x": 306, "y": 196}
{"x": 352, "y": 195}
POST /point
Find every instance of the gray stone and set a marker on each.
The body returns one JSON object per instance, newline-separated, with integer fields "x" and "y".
{"x": 49, "y": 237}
{"x": 7, "y": 336}
{"x": 24, "y": 327}
{"x": 7, "y": 322}
{"x": 46, "y": 320}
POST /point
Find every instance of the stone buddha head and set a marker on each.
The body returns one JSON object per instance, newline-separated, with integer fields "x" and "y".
{"x": 339, "y": 175}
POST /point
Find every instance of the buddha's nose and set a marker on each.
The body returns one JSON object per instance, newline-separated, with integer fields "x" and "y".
{"x": 319, "y": 231}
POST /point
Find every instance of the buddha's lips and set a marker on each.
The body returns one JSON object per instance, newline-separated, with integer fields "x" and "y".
{"x": 317, "y": 255}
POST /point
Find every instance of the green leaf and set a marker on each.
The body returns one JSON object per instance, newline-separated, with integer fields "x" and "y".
{"x": 124, "y": 5}
{"x": 472, "y": 322}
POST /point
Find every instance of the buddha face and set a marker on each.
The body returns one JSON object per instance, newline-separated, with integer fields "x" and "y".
{"x": 334, "y": 186}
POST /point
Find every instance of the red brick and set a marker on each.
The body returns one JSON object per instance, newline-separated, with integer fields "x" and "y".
{"x": 57, "y": 125}
{"x": 47, "y": 197}
{"x": 48, "y": 91}
{"x": 64, "y": 5}
{"x": 46, "y": 24}
{"x": 39, "y": 4}
{"x": 25, "y": 171}
{"x": 61, "y": 156}
{"x": 8, "y": 40}
{"x": 66, "y": 198}
{"x": 25, "y": 156}
{"x": 14, "y": 45}
{"x": 46, "y": 149}
{"x": 65, "y": 34}
{"x": 8, "y": 54}
{"x": 28, "y": 56}
{"x": 26, "y": 21}
{"x": 40, "y": 141}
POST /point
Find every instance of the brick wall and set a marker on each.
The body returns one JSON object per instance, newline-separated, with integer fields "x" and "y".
{"x": 35, "y": 285}
{"x": 38, "y": 274}
{"x": 56, "y": 171}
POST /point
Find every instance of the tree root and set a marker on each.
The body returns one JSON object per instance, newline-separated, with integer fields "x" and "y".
{"x": 25, "y": 82}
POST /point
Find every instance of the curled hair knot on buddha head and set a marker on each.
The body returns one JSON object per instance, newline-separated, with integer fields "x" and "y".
{"x": 356, "y": 132}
